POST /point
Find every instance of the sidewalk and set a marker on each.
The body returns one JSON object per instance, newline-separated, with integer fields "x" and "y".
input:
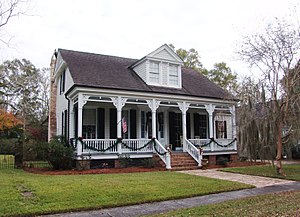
{"x": 275, "y": 186}
{"x": 257, "y": 181}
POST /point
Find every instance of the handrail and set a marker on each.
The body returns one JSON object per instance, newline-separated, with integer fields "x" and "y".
{"x": 194, "y": 152}
{"x": 163, "y": 153}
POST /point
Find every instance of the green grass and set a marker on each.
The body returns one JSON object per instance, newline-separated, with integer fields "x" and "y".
{"x": 279, "y": 204}
{"x": 7, "y": 161}
{"x": 50, "y": 194}
{"x": 292, "y": 171}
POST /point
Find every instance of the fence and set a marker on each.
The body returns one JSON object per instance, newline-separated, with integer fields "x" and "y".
{"x": 7, "y": 161}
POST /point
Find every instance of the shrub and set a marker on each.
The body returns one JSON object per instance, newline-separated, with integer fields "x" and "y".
{"x": 125, "y": 161}
{"x": 148, "y": 162}
{"x": 60, "y": 155}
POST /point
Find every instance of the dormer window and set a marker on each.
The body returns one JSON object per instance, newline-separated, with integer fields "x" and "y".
{"x": 154, "y": 72}
{"x": 173, "y": 75}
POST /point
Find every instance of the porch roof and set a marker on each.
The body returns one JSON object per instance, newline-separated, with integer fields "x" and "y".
{"x": 103, "y": 71}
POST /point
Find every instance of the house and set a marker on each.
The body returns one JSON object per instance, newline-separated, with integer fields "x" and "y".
{"x": 154, "y": 106}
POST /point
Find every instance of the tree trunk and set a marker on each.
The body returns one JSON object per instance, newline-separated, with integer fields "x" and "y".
{"x": 279, "y": 150}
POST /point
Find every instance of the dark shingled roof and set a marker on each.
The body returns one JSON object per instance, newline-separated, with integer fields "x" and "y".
{"x": 103, "y": 71}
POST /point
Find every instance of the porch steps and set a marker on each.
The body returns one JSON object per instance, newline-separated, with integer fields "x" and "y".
{"x": 183, "y": 161}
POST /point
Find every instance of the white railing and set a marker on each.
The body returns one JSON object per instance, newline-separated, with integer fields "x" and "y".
{"x": 216, "y": 145}
{"x": 201, "y": 143}
{"x": 193, "y": 151}
{"x": 136, "y": 145}
{"x": 99, "y": 145}
{"x": 163, "y": 153}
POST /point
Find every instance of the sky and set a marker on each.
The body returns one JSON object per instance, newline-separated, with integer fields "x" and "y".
{"x": 134, "y": 28}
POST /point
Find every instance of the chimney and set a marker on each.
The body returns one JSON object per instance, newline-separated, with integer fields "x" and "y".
{"x": 52, "y": 100}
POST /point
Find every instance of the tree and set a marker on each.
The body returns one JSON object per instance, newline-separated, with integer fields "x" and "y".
{"x": 8, "y": 10}
{"x": 8, "y": 120}
{"x": 222, "y": 75}
{"x": 274, "y": 52}
{"x": 190, "y": 58}
{"x": 25, "y": 89}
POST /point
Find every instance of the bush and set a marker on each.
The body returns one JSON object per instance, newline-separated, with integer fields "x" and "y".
{"x": 125, "y": 161}
{"x": 222, "y": 160}
{"x": 60, "y": 155}
{"x": 148, "y": 163}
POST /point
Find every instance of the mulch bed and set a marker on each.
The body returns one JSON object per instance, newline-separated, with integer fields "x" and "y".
{"x": 47, "y": 171}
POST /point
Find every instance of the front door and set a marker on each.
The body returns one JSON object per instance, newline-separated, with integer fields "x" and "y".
{"x": 175, "y": 130}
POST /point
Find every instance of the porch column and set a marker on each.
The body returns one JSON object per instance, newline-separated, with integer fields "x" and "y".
{"x": 183, "y": 108}
{"x": 233, "y": 124}
{"x": 71, "y": 121}
{"x": 119, "y": 103}
{"x": 210, "y": 110}
{"x": 153, "y": 105}
{"x": 82, "y": 100}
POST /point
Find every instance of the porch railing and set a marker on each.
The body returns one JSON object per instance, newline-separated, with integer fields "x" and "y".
{"x": 136, "y": 145}
{"x": 163, "y": 153}
{"x": 194, "y": 152}
{"x": 215, "y": 144}
{"x": 100, "y": 145}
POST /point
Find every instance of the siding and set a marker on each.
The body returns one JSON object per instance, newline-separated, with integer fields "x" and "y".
{"x": 165, "y": 55}
{"x": 165, "y": 73}
{"x": 141, "y": 70}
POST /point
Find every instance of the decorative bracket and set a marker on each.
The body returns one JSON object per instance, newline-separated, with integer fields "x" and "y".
{"x": 119, "y": 102}
{"x": 153, "y": 104}
{"x": 210, "y": 108}
{"x": 183, "y": 106}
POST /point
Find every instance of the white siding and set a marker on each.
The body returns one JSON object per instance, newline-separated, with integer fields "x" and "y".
{"x": 165, "y": 74}
{"x": 59, "y": 61}
{"x": 164, "y": 55}
{"x": 141, "y": 70}
{"x": 61, "y": 101}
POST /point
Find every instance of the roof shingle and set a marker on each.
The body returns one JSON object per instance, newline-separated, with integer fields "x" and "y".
{"x": 103, "y": 71}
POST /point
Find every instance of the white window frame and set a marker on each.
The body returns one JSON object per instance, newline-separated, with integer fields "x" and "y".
{"x": 173, "y": 75}
{"x": 151, "y": 71}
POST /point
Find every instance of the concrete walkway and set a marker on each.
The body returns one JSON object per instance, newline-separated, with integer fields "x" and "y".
{"x": 257, "y": 181}
{"x": 264, "y": 186}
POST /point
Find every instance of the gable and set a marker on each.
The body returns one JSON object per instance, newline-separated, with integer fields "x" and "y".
{"x": 165, "y": 53}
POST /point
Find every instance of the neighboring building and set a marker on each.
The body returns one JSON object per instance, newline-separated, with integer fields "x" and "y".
{"x": 101, "y": 98}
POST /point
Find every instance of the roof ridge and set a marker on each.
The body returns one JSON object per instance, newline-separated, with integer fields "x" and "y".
{"x": 97, "y": 54}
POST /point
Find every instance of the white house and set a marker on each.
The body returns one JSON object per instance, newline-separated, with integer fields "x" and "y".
{"x": 146, "y": 107}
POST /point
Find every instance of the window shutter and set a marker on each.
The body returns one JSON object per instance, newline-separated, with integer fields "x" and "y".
{"x": 132, "y": 124}
{"x": 76, "y": 120}
{"x": 172, "y": 133}
{"x": 225, "y": 130}
{"x": 188, "y": 125}
{"x": 113, "y": 123}
{"x": 100, "y": 123}
{"x": 196, "y": 125}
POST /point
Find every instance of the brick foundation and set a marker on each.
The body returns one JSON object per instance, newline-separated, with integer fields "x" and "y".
{"x": 234, "y": 158}
{"x": 83, "y": 164}
{"x": 117, "y": 164}
{"x": 212, "y": 160}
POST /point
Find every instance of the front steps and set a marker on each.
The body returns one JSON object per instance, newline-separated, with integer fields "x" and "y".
{"x": 182, "y": 161}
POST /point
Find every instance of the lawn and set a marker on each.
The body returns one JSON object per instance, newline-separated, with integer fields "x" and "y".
{"x": 279, "y": 204}
{"x": 24, "y": 193}
{"x": 292, "y": 171}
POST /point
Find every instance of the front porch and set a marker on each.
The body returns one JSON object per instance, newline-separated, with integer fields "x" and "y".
{"x": 140, "y": 127}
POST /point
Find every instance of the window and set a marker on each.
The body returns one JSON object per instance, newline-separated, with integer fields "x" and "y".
{"x": 89, "y": 124}
{"x": 161, "y": 124}
{"x": 143, "y": 124}
{"x": 62, "y": 82}
{"x": 154, "y": 73}
{"x": 173, "y": 75}
{"x": 221, "y": 131}
{"x": 203, "y": 126}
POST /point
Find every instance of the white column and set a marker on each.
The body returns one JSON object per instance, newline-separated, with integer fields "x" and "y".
{"x": 210, "y": 110}
{"x": 233, "y": 125}
{"x": 183, "y": 106}
{"x": 82, "y": 100}
{"x": 153, "y": 105}
{"x": 119, "y": 103}
{"x": 71, "y": 121}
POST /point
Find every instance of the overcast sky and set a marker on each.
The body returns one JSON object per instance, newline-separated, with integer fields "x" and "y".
{"x": 134, "y": 28}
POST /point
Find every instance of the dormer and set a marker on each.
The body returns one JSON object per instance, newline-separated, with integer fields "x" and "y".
{"x": 161, "y": 67}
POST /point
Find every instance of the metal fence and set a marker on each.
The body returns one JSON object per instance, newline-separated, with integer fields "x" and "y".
{"x": 7, "y": 161}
